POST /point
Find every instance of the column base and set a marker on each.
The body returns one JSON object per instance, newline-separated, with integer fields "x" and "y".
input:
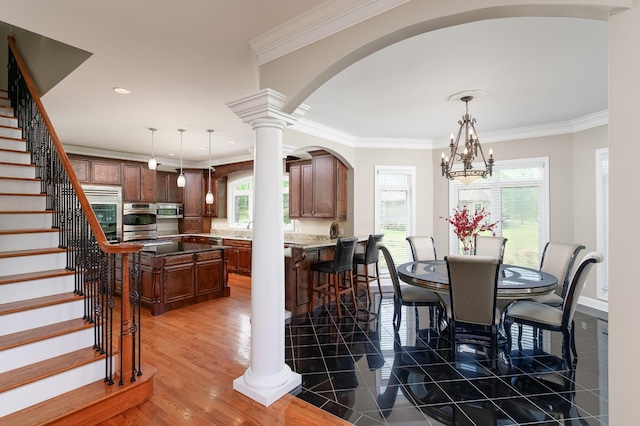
{"x": 267, "y": 397}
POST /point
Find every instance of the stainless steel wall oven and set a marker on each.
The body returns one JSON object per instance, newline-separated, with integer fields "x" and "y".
{"x": 106, "y": 202}
{"x": 139, "y": 221}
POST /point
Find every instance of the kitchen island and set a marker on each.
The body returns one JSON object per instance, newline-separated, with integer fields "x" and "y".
{"x": 176, "y": 273}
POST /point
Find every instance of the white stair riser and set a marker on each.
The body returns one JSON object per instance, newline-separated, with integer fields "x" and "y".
{"x": 16, "y": 186}
{"x": 17, "y": 171}
{"x": 35, "y": 263}
{"x": 4, "y": 99}
{"x": 10, "y": 132}
{"x": 15, "y": 157}
{"x": 50, "y": 387}
{"x": 8, "y": 121}
{"x": 33, "y": 318}
{"x": 7, "y": 110}
{"x": 16, "y": 221}
{"x": 29, "y": 241}
{"x": 37, "y": 351}
{"x": 25, "y": 290}
{"x": 13, "y": 144}
{"x": 12, "y": 203}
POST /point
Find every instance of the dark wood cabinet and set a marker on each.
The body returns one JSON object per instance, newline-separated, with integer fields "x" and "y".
{"x": 190, "y": 225}
{"x": 318, "y": 187}
{"x": 139, "y": 183}
{"x": 193, "y": 193}
{"x": 239, "y": 256}
{"x": 96, "y": 171}
{"x": 167, "y": 190}
{"x": 219, "y": 190}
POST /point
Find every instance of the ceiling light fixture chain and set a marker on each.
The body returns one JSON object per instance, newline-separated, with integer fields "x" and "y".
{"x": 181, "y": 180}
{"x": 153, "y": 164}
{"x": 466, "y": 156}
{"x": 209, "y": 197}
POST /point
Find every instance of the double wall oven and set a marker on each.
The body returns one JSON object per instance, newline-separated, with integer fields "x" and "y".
{"x": 139, "y": 221}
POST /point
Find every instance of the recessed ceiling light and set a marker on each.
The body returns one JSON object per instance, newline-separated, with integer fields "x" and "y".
{"x": 231, "y": 141}
{"x": 121, "y": 90}
{"x": 203, "y": 147}
{"x": 171, "y": 154}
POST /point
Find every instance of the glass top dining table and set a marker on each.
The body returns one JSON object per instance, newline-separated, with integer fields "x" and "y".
{"x": 514, "y": 282}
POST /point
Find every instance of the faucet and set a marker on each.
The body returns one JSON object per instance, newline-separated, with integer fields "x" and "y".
{"x": 249, "y": 224}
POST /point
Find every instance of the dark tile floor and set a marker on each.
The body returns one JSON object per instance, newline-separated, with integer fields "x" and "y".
{"x": 359, "y": 369}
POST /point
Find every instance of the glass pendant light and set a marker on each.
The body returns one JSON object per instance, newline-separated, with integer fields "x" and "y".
{"x": 153, "y": 164}
{"x": 181, "y": 179}
{"x": 209, "y": 197}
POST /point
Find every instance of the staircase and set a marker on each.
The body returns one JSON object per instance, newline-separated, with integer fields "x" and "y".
{"x": 50, "y": 372}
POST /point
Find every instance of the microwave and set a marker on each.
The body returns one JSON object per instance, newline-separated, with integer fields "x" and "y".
{"x": 169, "y": 211}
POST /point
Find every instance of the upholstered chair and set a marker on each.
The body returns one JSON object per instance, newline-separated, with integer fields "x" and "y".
{"x": 486, "y": 245}
{"x": 422, "y": 248}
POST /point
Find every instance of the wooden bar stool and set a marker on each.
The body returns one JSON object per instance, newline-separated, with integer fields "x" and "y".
{"x": 337, "y": 270}
{"x": 370, "y": 256}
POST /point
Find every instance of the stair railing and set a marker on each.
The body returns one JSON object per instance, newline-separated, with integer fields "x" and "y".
{"x": 89, "y": 254}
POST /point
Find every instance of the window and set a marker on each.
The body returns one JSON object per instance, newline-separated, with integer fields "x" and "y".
{"x": 602, "y": 221}
{"x": 518, "y": 193}
{"x": 395, "y": 210}
{"x": 242, "y": 203}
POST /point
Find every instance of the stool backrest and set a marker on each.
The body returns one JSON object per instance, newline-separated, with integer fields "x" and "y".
{"x": 343, "y": 257}
{"x": 372, "y": 253}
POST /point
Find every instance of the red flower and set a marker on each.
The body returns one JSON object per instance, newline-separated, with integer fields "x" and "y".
{"x": 467, "y": 226}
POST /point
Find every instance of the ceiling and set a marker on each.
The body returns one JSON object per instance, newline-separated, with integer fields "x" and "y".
{"x": 183, "y": 61}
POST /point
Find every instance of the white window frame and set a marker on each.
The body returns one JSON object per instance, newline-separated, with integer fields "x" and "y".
{"x": 602, "y": 224}
{"x": 232, "y": 193}
{"x": 411, "y": 225}
{"x": 454, "y": 185}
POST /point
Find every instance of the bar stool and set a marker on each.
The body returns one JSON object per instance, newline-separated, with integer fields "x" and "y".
{"x": 336, "y": 270}
{"x": 370, "y": 256}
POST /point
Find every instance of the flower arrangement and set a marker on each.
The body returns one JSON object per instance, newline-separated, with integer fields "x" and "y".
{"x": 467, "y": 226}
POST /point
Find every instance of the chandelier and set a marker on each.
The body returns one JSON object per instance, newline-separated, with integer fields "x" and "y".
{"x": 466, "y": 154}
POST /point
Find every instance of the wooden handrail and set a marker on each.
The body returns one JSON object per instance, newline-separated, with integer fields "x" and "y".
{"x": 101, "y": 239}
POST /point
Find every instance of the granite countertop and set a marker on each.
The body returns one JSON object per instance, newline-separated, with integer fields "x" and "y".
{"x": 176, "y": 247}
{"x": 290, "y": 239}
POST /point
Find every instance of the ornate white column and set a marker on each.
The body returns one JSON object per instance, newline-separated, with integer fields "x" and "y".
{"x": 268, "y": 378}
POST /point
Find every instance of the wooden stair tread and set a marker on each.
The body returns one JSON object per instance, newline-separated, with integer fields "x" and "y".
{"x": 27, "y": 231}
{"x": 20, "y": 178}
{"x": 47, "y": 368}
{"x": 12, "y": 150}
{"x": 30, "y": 276}
{"x": 31, "y": 252}
{"x": 38, "y": 302}
{"x": 90, "y": 404}
{"x": 20, "y": 194}
{"x": 26, "y": 212}
{"x": 41, "y": 333}
{"x": 6, "y": 163}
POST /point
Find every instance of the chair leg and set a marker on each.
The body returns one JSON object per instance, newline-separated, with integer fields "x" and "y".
{"x": 366, "y": 283}
{"x": 336, "y": 285}
{"x": 378, "y": 278}
{"x": 353, "y": 292}
{"x": 573, "y": 340}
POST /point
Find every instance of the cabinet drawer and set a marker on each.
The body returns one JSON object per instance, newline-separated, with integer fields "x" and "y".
{"x": 236, "y": 243}
{"x": 208, "y": 255}
{"x": 178, "y": 259}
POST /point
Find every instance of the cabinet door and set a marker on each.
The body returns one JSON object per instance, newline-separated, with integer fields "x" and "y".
{"x": 193, "y": 194}
{"x": 190, "y": 225}
{"x": 209, "y": 276}
{"x": 324, "y": 186}
{"x": 81, "y": 167}
{"x": 162, "y": 187}
{"x": 306, "y": 191}
{"x": 106, "y": 172}
{"x": 295, "y": 192}
{"x": 174, "y": 192}
{"x": 147, "y": 184}
{"x": 244, "y": 260}
{"x": 132, "y": 183}
{"x": 178, "y": 282}
{"x": 209, "y": 209}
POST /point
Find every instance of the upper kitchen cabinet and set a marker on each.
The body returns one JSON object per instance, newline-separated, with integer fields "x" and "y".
{"x": 318, "y": 187}
{"x": 193, "y": 193}
{"x": 139, "y": 183}
{"x": 219, "y": 190}
{"x": 96, "y": 171}
{"x": 167, "y": 190}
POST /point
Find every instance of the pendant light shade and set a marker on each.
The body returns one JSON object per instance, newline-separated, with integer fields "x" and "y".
{"x": 181, "y": 179}
{"x": 209, "y": 197}
{"x": 153, "y": 164}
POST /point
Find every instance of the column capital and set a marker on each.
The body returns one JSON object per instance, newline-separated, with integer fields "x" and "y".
{"x": 265, "y": 104}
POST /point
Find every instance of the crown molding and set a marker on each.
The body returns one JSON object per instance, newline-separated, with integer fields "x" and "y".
{"x": 586, "y": 122}
{"x": 328, "y": 18}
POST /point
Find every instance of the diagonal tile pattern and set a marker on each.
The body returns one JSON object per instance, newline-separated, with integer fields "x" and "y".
{"x": 360, "y": 369}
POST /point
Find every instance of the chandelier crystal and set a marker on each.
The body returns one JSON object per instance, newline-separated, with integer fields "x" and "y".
{"x": 153, "y": 164}
{"x": 181, "y": 180}
{"x": 467, "y": 153}
{"x": 209, "y": 197}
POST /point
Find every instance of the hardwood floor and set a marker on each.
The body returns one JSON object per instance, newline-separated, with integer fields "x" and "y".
{"x": 198, "y": 351}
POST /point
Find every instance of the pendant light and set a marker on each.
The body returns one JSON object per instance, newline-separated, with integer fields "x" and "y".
{"x": 181, "y": 179}
{"x": 209, "y": 197}
{"x": 153, "y": 164}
